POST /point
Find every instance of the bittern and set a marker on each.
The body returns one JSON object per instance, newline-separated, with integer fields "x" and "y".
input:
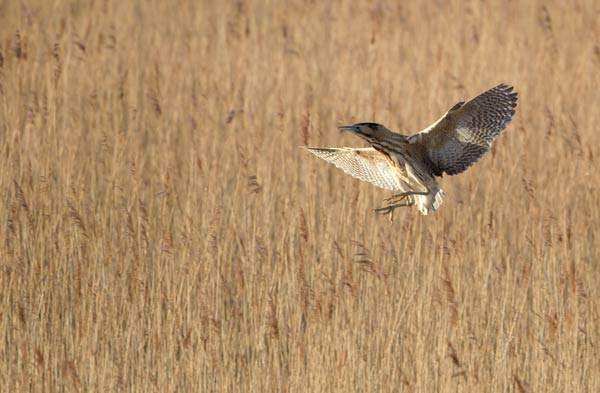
{"x": 409, "y": 164}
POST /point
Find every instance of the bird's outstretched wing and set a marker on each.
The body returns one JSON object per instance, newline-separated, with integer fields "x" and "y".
{"x": 466, "y": 132}
{"x": 366, "y": 164}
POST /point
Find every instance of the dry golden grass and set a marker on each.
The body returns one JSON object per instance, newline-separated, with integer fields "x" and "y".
{"x": 161, "y": 231}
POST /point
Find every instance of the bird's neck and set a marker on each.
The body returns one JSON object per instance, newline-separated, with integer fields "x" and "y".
{"x": 386, "y": 134}
{"x": 397, "y": 137}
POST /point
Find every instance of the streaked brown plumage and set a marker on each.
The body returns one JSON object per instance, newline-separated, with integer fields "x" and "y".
{"x": 409, "y": 164}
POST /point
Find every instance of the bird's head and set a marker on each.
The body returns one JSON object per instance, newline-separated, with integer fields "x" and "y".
{"x": 368, "y": 131}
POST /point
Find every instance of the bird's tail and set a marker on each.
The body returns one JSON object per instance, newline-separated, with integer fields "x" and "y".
{"x": 430, "y": 202}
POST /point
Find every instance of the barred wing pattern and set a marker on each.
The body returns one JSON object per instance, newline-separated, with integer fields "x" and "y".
{"x": 366, "y": 164}
{"x": 466, "y": 133}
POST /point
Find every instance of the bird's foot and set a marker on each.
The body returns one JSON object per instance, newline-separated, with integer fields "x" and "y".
{"x": 394, "y": 199}
{"x": 403, "y": 201}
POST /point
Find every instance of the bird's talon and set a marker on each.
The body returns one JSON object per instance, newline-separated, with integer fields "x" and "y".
{"x": 395, "y": 198}
{"x": 383, "y": 210}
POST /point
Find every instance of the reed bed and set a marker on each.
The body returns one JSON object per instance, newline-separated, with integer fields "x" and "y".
{"x": 162, "y": 231}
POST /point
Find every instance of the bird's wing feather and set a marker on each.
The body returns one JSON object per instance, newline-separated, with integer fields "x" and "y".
{"x": 467, "y": 131}
{"x": 366, "y": 164}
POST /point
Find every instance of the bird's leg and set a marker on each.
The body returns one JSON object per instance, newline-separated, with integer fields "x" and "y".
{"x": 396, "y": 198}
{"x": 403, "y": 199}
{"x": 399, "y": 197}
{"x": 400, "y": 203}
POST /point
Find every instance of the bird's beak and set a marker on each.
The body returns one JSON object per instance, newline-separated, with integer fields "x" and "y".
{"x": 348, "y": 128}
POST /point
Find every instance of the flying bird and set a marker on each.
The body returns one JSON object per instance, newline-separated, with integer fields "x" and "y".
{"x": 410, "y": 164}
